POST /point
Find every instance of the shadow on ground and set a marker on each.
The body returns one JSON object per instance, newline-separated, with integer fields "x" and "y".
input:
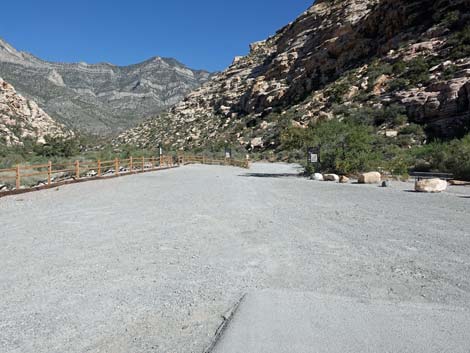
{"x": 272, "y": 175}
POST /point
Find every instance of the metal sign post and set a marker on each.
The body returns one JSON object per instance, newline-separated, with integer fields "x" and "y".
{"x": 228, "y": 153}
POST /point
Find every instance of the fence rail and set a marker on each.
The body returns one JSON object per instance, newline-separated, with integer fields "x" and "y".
{"x": 24, "y": 178}
{"x": 185, "y": 159}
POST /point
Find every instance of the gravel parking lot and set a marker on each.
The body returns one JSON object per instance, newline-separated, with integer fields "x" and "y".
{"x": 150, "y": 262}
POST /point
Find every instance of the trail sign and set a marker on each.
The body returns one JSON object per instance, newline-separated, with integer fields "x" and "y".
{"x": 228, "y": 152}
{"x": 313, "y": 155}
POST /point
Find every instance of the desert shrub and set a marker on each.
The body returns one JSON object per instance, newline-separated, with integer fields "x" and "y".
{"x": 418, "y": 71}
{"x": 376, "y": 70}
{"x": 392, "y": 114}
{"x": 412, "y": 129}
{"x": 451, "y": 157}
{"x": 396, "y": 160}
{"x": 338, "y": 91}
{"x": 399, "y": 67}
{"x": 449, "y": 72}
{"x": 459, "y": 43}
{"x": 58, "y": 147}
{"x": 450, "y": 19}
{"x": 398, "y": 84}
{"x": 345, "y": 147}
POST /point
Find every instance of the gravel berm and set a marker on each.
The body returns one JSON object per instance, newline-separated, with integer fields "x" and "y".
{"x": 150, "y": 262}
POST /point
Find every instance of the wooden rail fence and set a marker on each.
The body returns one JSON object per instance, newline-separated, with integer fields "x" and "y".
{"x": 33, "y": 177}
{"x": 190, "y": 159}
{"x": 25, "y": 178}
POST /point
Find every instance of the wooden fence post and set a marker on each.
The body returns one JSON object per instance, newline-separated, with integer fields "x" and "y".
{"x": 77, "y": 170}
{"x": 131, "y": 164}
{"x": 18, "y": 177}
{"x": 99, "y": 167}
{"x": 153, "y": 163}
{"x": 49, "y": 173}
{"x": 116, "y": 166}
{"x": 161, "y": 161}
{"x": 143, "y": 164}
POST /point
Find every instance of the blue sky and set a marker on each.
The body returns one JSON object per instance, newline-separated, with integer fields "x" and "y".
{"x": 204, "y": 34}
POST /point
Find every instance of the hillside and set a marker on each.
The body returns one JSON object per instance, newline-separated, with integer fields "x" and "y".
{"x": 99, "y": 98}
{"x": 22, "y": 119}
{"x": 396, "y": 65}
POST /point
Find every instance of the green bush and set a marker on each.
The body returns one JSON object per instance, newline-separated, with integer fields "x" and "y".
{"x": 376, "y": 70}
{"x": 459, "y": 43}
{"x": 345, "y": 147}
{"x": 413, "y": 129}
{"x": 58, "y": 147}
{"x": 449, "y": 72}
{"x": 449, "y": 157}
{"x": 338, "y": 91}
{"x": 418, "y": 71}
{"x": 399, "y": 84}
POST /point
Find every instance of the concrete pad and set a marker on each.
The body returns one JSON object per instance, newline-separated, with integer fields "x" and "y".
{"x": 305, "y": 322}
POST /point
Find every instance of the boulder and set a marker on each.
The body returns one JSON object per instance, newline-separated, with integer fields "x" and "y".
{"x": 331, "y": 177}
{"x": 344, "y": 179}
{"x": 430, "y": 185}
{"x": 451, "y": 182}
{"x": 257, "y": 142}
{"x": 370, "y": 178}
{"x": 317, "y": 177}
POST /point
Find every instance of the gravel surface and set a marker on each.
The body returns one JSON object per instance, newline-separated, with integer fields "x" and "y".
{"x": 150, "y": 262}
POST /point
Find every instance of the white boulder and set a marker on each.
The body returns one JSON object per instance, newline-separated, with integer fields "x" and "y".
{"x": 317, "y": 177}
{"x": 370, "y": 178}
{"x": 431, "y": 185}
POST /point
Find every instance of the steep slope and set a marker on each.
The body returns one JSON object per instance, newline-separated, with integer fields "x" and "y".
{"x": 99, "y": 98}
{"x": 22, "y": 119}
{"x": 337, "y": 57}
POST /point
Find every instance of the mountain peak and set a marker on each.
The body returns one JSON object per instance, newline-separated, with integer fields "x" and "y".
{"x": 100, "y": 98}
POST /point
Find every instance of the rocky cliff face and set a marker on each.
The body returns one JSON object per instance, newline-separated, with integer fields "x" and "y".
{"x": 101, "y": 98}
{"x": 336, "y": 57}
{"x": 22, "y": 119}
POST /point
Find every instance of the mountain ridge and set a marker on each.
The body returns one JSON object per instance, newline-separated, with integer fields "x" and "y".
{"x": 99, "y": 98}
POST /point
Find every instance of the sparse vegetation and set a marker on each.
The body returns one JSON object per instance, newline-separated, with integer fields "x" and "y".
{"x": 349, "y": 147}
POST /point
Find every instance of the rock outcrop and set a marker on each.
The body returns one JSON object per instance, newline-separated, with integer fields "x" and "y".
{"x": 338, "y": 54}
{"x": 99, "y": 98}
{"x": 22, "y": 119}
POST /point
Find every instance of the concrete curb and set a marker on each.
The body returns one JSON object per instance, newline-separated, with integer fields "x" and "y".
{"x": 226, "y": 318}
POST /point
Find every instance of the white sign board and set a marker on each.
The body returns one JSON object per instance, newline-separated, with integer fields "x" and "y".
{"x": 313, "y": 158}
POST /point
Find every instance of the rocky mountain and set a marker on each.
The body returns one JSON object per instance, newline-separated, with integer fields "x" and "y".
{"x": 99, "y": 98}
{"x": 394, "y": 62}
{"x": 22, "y": 119}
